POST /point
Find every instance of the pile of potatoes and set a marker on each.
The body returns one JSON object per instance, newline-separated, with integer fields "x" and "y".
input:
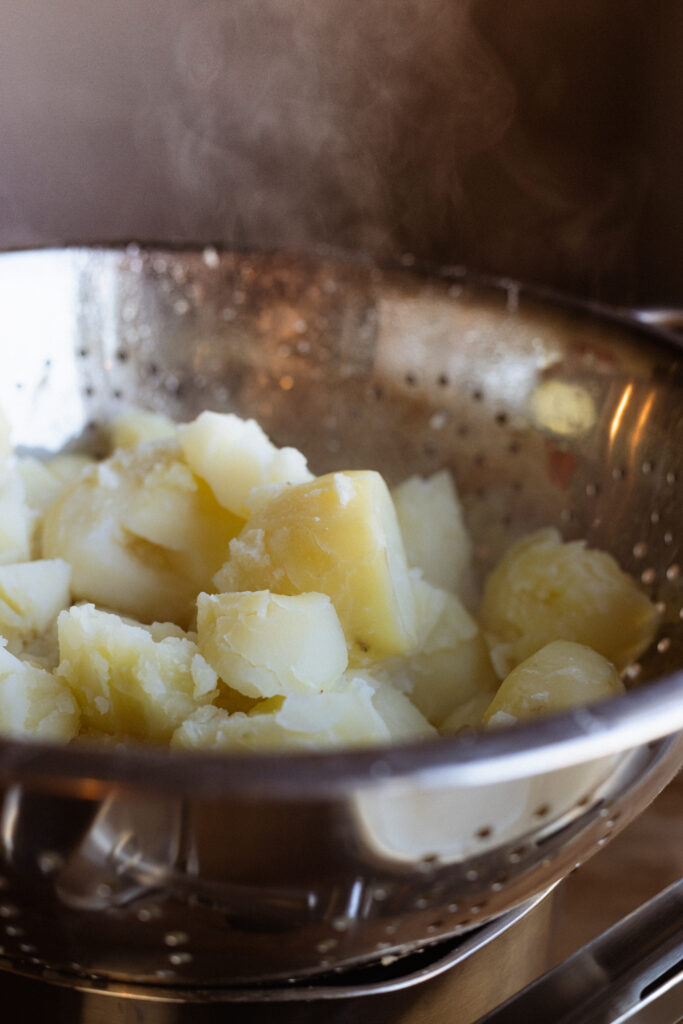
{"x": 201, "y": 588}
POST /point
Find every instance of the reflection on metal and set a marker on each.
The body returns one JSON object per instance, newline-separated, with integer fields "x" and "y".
{"x": 619, "y": 412}
{"x": 642, "y": 423}
{"x": 565, "y": 409}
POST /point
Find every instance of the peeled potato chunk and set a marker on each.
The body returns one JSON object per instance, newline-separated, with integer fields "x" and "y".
{"x": 544, "y": 590}
{"x": 467, "y": 716}
{"x": 450, "y": 662}
{"x": 264, "y": 644}
{"x": 561, "y": 676}
{"x": 402, "y": 718}
{"x": 336, "y": 535}
{"x": 143, "y": 535}
{"x": 17, "y": 519}
{"x": 234, "y": 456}
{"x": 343, "y": 717}
{"x": 136, "y": 426}
{"x": 31, "y": 596}
{"x": 433, "y": 531}
{"x": 35, "y": 703}
{"x": 128, "y": 684}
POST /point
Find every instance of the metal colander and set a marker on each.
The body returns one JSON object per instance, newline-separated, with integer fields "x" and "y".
{"x": 169, "y": 869}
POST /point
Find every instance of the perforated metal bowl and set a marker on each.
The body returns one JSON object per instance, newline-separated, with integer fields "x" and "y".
{"x": 158, "y": 867}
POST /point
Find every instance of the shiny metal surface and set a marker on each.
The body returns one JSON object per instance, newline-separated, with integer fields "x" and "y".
{"x": 151, "y": 867}
{"x": 471, "y": 974}
{"x": 634, "y": 972}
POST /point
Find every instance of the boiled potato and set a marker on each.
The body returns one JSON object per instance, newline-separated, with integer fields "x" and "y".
{"x": 265, "y": 644}
{"x": 336, "y": 535}
{"x": 467, "y": 716}
{"x": 560, "y": 676}
{"x": 35, "y": 703}
{"x": 544, "y": 590}
{"x": 17, "y": 520}
{"x": 400, "y": 715}
{"x": 335, "y": 718}
{"x": 127, "y": 683}
{"x": 433, "y": 531}
{"x": 450, "y": 662}
{"x": 31, "y": 596}
{"x": 142, "y": 534}
{"x": 135, "y": 426}
{"x": 234, "y": 456}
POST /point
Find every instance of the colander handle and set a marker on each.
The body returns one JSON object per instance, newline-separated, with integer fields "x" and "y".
{"x": 632, "y": 973}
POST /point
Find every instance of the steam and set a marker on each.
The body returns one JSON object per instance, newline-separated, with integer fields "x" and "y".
{"x": 336, "y": 122}
{"x": 469, "y": 131}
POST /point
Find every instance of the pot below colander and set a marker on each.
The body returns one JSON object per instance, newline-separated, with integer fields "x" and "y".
{"x": 155, "y": 867}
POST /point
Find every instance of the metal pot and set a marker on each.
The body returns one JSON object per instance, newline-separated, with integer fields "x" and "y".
{"x": 154, "y": 868}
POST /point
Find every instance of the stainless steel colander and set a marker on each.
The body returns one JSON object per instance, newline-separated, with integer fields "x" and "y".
{"x": 161, "y": 868}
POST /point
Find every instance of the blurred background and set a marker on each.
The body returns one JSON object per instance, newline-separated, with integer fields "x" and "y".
{"x": 537, "y": 139}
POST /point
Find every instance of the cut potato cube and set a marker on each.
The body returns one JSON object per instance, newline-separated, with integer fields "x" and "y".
{"x": 17, "y": 520}
{"x": 433, "y": 530}
{"x": 544, "y": 590}
{"x": 265, "y": 644}
{"x": 469, "y": 715}
{"x": 450, "y": 662}
{"x": 31, "y": 596}
{"x": 69, "y": 466}
{"x": 143, "y": 535}
{"x": 343, "y": 717}
{"x": 128, "y": 684}
{"x": 403, "y": 720}
{"x": 234, "y": 456}
{"x": 561, "y": 676}
{"x": 35, "y": 703}
{"x": 336, "y": 535}
{"x": 137, "y": 426}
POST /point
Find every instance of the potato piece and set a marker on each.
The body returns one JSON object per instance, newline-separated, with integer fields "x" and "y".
{"x": 402, "y": 719}
{"x": 35, "y": 703}
{"x": 69, "y": 466}
{"x": 433, "y": 531}
{"x": 466, "y": 716}
{"x": 126, "y": 683}
{"x": 561, "y": 676}
{"x": 17, "y": 520}
{"x": 233, "y": 456}
{"x": 264, "y": 644}
{"x": 31, "y": 596}
{"x": 137, "y": 426}
{"x": 450, "y": 662}
{"x": 336, "y": 535}
{"x": 143, "y": 535}
{"x": 543, "y": 590}
{"x": 343, "y": 717}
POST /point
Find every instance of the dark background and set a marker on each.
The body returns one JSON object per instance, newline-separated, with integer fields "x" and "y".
{"x": 535, "y": 139}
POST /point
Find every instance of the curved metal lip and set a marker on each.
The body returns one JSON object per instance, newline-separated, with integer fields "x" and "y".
{"x": 478, "y": 758}
{"x": 311, "y": 989}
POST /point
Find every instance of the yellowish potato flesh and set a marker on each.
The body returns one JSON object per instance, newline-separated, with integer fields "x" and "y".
{"x": 128, "y": 684}
{"x": 450, "y": 662}
{"x": 31, "y": 596}
{"x": 468, "y": 715}
{"x": 234, "y": 456}
{"x": 264, "y": 644}
{"x": 34, "y": 702}
{"x": 142, "y": 534}
{"x": 17, "y": 519}
{"x": 137, "y": 426}
{"x": 434, "y": 532}
{"x": 545, "y": 590}
{"x": 336, "y": 535}
{"x": 560, "y": 677}
{"x": 344, "y": 717}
